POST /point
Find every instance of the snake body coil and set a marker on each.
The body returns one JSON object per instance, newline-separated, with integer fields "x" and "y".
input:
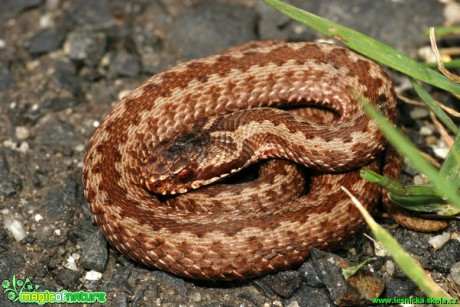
{"x": 147, "y": 146}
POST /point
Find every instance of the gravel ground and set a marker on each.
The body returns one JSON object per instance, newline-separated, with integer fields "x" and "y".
{"x": 62, "y": 66}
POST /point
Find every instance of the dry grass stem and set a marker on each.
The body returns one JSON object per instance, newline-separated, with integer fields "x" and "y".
{"x": 441, "y": 67}
{"x": 448, "y": 139}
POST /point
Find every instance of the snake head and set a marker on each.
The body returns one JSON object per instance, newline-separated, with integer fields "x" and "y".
{"x": 169, "y": 170}
{"x": 183, "y": 164}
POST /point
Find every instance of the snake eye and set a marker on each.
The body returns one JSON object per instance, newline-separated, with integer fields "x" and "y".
{"x": 185, "y": 175}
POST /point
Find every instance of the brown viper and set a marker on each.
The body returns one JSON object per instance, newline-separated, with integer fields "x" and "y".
{"x": 205, "y": 119}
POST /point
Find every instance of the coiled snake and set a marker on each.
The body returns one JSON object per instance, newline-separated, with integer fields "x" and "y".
{"x": 165, "y": 138}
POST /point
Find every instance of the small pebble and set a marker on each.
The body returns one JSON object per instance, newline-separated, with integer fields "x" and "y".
{"x": 196, "y": 297}
{"x": 455, "y": 273}
{"x": 452, "y": 12}
{"x": 52, "y": 4}
{"x": 440, "y": 150}
{"x": 86, "y": 46}
{"x": 80, "y": 148}
{"x": 15, "y": 226}
{"x": 427, "y": 54}
{"x": 71, "y": 266}
{"x": 46, "y": 21}
{"x": 22, "y": 133}
{"x": 23, "y": 147}
{"x": 425, "y": 131}
{"x": 379, "y": 250}
{"x": 419, "y": 113}
{"x": 123, "y": 93}
{"x": 93, "y": 275}
{"x": 438, "y": 241}
{"x": 420, "y": 179}
{"x": 390, "y": 267}
{"x": 71, "y": 262}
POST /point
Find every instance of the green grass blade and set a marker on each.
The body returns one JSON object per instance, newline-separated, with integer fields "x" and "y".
{"x": 391, "y": 185}
{"x": 421, "y": 197}
{"x": 452, "y": 64}
{"x": 443, "y": 31}
{"x": 395, "y": 187}
{"x": 367, "y": 46}
{"x": 429, "y": 101}
{"x": 408, "y": 150}
{"x": 451, "y": 166}
{"x": 410, "y": 267}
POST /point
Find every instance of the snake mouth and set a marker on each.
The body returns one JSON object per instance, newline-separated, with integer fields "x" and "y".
{"x": 167, "y": 186}
{"x": 162, "y": 186}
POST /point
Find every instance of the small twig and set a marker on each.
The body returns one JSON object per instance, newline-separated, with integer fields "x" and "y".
{"x": 411, "y": 101}
{"x": 414, "y": 102}
{"x": 451, "y": 51}
{"x": 430, "y": 159}
{"x": 448, "y": 110}
{"x": 442, "y": 131}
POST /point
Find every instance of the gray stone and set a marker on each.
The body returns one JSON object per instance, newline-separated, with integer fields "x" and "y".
{"x": 6, "y": 80}
{"x": 120, "y": 299}
{"x": 46, "y": 40}
{"x": 86, "y": 46}
{"x": 284, "y": 283}
{"x": 11, "y": 8}
{"x": 445, "y": 257}
{"x": 10, "y": 183}
{"x": 124, "y": 64}
{"x": 94, "y": 252}
{"x": 356, "y": 290}
{"x": 397, "y": 287}
{"x": 57, "y": 137}
{"x": 309, "y": 275}
{"x": 120, "y": 281}
{"x": 212, "y": 27}
{"x": 92, "y": 14}
{"x": 310, "y": 297}
{"x": 455, "y": 273}
{"x": 12, "y": 263}
{"x": 68, "y": 278}
{"x": 60, "y": 103}
{"x": 61, "y": 200}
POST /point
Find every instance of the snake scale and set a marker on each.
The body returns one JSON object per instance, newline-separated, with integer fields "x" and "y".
{"x": 288, "y": 108}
